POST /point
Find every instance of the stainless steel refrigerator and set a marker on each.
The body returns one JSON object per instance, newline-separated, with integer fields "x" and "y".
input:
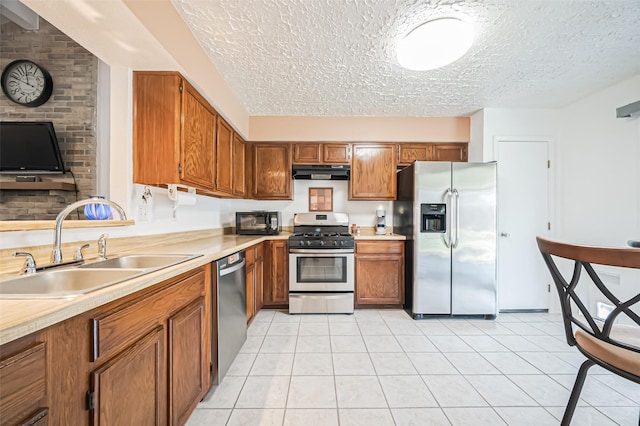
{"x": 447, "y": 211}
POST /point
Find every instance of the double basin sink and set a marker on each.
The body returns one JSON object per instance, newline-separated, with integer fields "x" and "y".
{"x": 75, "y": 281}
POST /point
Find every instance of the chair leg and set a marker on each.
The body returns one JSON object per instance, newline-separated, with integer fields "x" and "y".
{"x": 575, "y": 392}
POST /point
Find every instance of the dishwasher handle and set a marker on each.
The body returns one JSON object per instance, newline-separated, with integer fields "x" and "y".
{"x": 232, "y": 269}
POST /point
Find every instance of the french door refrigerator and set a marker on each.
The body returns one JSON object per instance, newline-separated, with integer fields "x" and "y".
{"x": 447, "y": 211}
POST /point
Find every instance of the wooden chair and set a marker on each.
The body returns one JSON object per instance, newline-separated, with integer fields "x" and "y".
{"x": 593, "y": 337}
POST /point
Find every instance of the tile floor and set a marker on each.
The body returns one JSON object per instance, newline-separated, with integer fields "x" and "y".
{"x": 379, "y": 367}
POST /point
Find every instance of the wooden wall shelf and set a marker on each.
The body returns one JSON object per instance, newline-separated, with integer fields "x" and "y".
{"x": 38, "y": 186}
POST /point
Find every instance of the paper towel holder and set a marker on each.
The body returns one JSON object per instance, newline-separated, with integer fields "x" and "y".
{"x": 172, "y": 192}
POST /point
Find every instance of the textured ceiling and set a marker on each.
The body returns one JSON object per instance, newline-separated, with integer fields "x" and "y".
{"x": 337, "y": 57}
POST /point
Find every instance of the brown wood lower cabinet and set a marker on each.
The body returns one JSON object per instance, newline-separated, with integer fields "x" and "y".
{"x": 23, "y": 385}
{"x": 254, "y": 277}
{"x": 188, "y": 369}
{"x": 142, "y": 359}
{"x": 276, "y": 277}
{"x": 379, "y": 272}
{"x": 129, "y": 388}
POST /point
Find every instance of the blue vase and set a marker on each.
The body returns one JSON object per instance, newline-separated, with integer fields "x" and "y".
{"x": 98, "y": 211}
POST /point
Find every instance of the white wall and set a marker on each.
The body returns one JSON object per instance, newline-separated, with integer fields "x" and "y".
{"x": 220, "y": 213}
{"x": 476, "y": 137}
{"x": 598, "y": 197}
{"x": 599, "y": 170}
{"x": 517, "y": 122}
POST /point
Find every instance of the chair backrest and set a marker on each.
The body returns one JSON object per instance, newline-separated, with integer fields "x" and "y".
{"x": 584, "y": 256}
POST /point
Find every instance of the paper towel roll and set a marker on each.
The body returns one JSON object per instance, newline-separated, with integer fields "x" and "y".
{"x": 185, "y": 199}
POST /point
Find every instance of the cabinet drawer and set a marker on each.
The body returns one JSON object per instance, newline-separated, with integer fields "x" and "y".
{"x": 122, "y": 326}
{"x": 23, "y": 394}
{"x": 379, "y": 247}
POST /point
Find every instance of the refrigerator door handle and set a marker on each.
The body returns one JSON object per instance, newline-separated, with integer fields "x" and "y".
{"x": 457, "y": 216}
{"x": 447, "y": 199}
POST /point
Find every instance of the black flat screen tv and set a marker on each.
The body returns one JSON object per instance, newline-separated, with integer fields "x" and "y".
{"x": 29, "y": 147}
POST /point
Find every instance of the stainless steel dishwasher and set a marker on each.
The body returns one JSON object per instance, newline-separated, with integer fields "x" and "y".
{"x": 232, "y": 312}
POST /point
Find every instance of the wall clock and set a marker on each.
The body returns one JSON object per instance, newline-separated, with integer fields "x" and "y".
{"x": 26, "y": 83}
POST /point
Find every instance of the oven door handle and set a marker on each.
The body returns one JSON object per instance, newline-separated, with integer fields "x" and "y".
{"x": 328, "y": 252}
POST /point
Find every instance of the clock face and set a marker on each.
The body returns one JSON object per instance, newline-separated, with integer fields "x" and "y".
{"x": 26, "y": 83}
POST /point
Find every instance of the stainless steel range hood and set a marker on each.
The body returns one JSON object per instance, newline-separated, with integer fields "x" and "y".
{"x": 321, "y": 172}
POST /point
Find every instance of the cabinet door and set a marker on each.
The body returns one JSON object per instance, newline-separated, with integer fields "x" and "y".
{"x": 130, "y": 388}
{"x": 272, "y": 171}
{"x": 306, "y": 153}
{"x": 450, "y": 152}
{"x": 224, "y": 157}
{"x": 373, "y": 172}
{"x": 188, "y": 366}
{"x": 379, "y": 268}
{"x": 156, "y": 127}
{"x": 23, "y": 387}
{"x": 197, "y": 155}
{"x": 239, "y": 161}
{"x": 250, "y": 282}
{"x": 276, "y": 283}
{"x": 259, "y": 278}
{"x": 408, "y": 153}
{"x": 379, "y": 280}
{"x": 336, "y": 153}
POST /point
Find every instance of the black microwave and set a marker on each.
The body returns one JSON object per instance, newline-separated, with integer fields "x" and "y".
{"x": 258, "y": 223}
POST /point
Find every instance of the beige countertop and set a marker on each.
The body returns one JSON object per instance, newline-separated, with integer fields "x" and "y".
{"x": 370, "y": 234}
{"x": 21, "y": 317}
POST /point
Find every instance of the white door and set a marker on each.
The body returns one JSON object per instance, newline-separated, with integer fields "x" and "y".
{"x": 523, "y": 214}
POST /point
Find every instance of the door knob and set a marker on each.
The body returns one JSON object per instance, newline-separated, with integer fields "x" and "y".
{"x": 505, "y": 234}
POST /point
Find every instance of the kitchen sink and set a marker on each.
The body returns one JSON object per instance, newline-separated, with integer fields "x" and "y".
{"x": 141, "y": 261}
{"x": 64, "y": 283}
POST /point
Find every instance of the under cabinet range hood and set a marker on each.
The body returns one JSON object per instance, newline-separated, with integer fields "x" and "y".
{"x": 321, "y": 172}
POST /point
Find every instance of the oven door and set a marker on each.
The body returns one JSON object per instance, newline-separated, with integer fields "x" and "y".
{"x": 321, "y": 270}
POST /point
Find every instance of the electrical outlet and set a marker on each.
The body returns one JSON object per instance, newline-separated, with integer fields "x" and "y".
{"x": 143, "y": 212}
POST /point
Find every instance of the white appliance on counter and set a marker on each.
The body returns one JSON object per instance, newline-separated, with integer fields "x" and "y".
{"x": 447, "y": 211}
{"x": 321, "y": 264}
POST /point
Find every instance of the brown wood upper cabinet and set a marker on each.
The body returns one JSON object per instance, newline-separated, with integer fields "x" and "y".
{"x": 410, "y": 152}
{"x": 321, "y": 153}
{"x": 224, "y": 157}
{"x": 179, "y": 138}
{"x": 373, "y": 172}
{"x": 173, "y": 132}
{"x": 450, "y": 152}
{"x": 271, "y": 169}
{"x": 239, "y": 166}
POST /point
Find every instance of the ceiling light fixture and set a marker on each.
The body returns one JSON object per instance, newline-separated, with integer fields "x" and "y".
{"x": 435, "y": 44}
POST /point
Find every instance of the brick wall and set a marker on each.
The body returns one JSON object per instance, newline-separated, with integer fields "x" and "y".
{"x": 71, "y": 108}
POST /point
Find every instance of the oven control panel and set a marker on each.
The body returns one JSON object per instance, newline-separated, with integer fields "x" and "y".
{"x": 327, "y": 243}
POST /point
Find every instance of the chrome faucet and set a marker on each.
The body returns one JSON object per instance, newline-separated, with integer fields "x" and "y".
{"x": 56, "y": 254}
{"x": 102, "y": 247}
{"x": 29, "y": 264}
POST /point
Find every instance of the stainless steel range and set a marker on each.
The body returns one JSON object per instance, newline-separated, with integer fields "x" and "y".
{"x": 321, "y": 264}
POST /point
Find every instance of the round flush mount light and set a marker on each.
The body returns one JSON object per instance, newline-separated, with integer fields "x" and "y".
{"x": 435, "y": 44}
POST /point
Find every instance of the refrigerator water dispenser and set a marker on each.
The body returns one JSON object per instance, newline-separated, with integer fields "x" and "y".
{"x": 434, "y": 218}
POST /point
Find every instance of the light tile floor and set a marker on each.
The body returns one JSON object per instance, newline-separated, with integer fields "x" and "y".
{"x": 380, "y": 367}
